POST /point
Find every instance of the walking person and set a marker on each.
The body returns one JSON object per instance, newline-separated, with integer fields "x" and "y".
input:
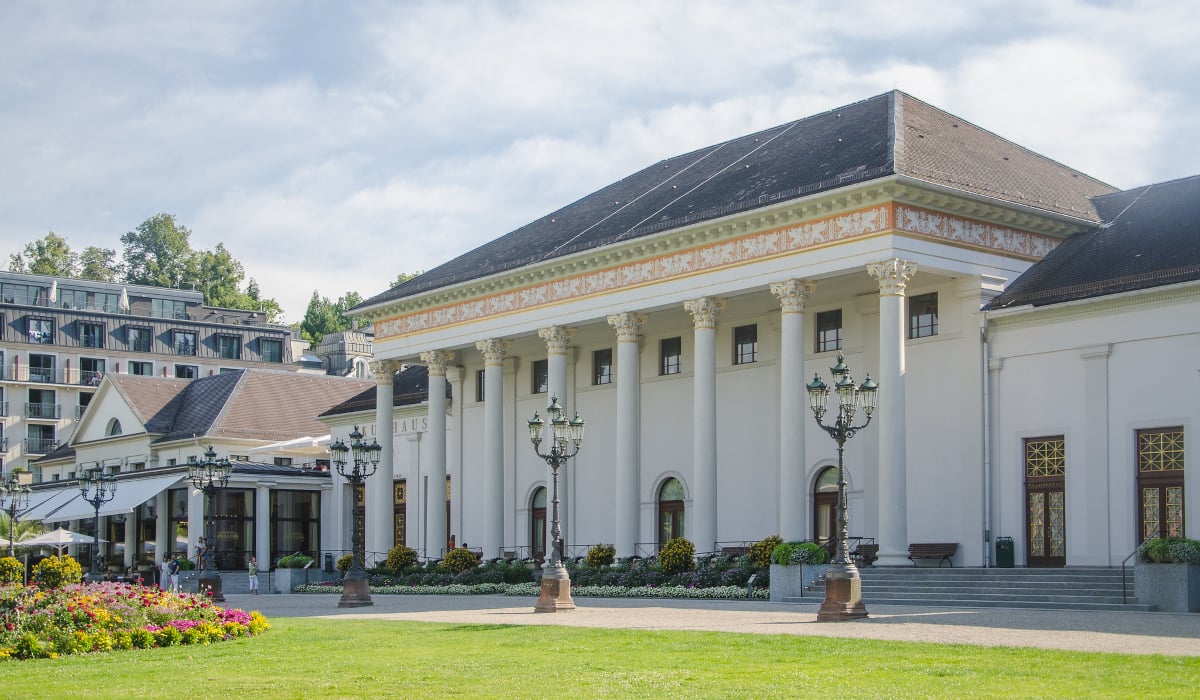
{"x": 164, "y": 573}
{"x": 175, "y": 574}
{"x": 253, "y": 575}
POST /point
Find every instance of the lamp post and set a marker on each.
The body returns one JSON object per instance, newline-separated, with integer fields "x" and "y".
{"x": 14, "y": 498}
{"x": 210, "y": 476}
{"x": 566, "y": 436}
{"x": 843, "y": 587}
{"x": 97, "y": 489}
{"x": 356, "y": 588}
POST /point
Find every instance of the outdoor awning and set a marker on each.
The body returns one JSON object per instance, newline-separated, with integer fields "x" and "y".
{"x": 130, "y": 494}
{"x": 43, "y": 503}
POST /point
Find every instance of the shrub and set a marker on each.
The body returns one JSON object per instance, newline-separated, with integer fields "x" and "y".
{"x": 792, "y": 553}
{"x": 601, "y": 555}
{"x": 1185, "y": 552}
{"x": 400, "y": 558}
{"x": 186, "y": 565}
{"x": 760, "y": 552}
{"x": 56, "y": 572}
{"x": 11, "y": 571}
{"x": 677, "y": 555}
{"x": 344, "y": 562}
{"x": 459, "y": 560}
{"x": 1167, "y": 550}
{"x": 294, "y": 561}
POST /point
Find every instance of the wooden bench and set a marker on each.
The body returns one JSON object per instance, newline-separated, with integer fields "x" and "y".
{"x": 942, "y": 551}
{"x": 865, "y": 554}
{"x": 734, "y": 551}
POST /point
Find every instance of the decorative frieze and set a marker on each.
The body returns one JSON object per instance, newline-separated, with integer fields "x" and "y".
{"x": 892, "y": 275}
{"x": 494, "y": 350}
{"x": 436, "y": 361}
{"x": 792, "y": 294}
{"x": 705, "y": 311}
{"x": 558, "y": 339}
{"x": 627, "y": 325}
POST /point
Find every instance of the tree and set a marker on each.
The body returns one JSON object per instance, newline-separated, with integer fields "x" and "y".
{"x": 157, "y": 253}
{"x": 219, "y": 275}
{"x": 51, "y": 255}
{"x": 324, "y": 317}
{"x": 99, "y": 264}
{"x": 404, "y": 277}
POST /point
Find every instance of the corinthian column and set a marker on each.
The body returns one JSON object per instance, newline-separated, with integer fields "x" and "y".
{"x": 436, "y": 537}
{"x": 628, "y": 468}
{"x": 893, "y": 276}
{"x": 703, "y": 521}
{"x": 494, "y": 350}
{"x": 378, "y": 498}
{"x": 558, "y": 343}
{"x": 793, "y": 496}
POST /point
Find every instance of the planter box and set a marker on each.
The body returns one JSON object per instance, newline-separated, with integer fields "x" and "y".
{"x": 285, "y": 579}
{"x": 1168, "y": 587}
{"x": 788, "y": 582}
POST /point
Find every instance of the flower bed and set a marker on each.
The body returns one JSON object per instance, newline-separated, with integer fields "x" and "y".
{"x": 530, "y": 589}
{"x": 84, "y": 618}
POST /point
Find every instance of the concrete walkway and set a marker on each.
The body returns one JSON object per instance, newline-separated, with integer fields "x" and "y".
{"x": 1118, "y": 632}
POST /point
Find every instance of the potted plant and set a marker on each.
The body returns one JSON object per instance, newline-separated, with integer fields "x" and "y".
{"x": 291, "y": 571}
{"x": 794, "y": 566}
{"x": 1167, "y": 574}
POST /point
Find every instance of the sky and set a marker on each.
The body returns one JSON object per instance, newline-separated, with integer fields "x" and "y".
{"x": 333, "y": 145}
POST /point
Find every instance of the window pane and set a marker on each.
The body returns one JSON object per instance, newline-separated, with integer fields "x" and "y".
{"x": 541, "y": 376}
{"x": 745, "y": 344}
{"x": 923, "y": 315}
{"x": 272, "y": 350}
{"x": 670, "y": 356}
{"x": 41, "y": 330}
{"x": 602, "y": 366}
{"x": 185, "y": 343}
{"x": 186, "y": 371}
{"x": 229, "y": 347}
{"x": 138, "y": 338}
{"x": 829, "y": 330}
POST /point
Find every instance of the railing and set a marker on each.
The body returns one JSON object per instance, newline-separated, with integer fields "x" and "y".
{"x": 48, "y": 411}
{"x": 1124, "y": 577}
{"x": 39, "y": 446}
{"x": 79, "y": 411}
{"x": 39, "y": 374}
{"x": 90, "y": 378}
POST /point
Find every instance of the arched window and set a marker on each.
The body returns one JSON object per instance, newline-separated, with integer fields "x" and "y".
{"x": 537, "y": 523}
{"x": 825, "y": 505}
{"x": 114, "y": 427}
{"x": 670, "y": 511}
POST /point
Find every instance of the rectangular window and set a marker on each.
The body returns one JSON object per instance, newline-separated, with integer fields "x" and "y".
{"x": 271, "y": 350}
{"x": 85, "y": 398}
{"x": 43, "y": 404}
{"x": 184, "y": 342}
{"x": 91, "y": 371}
{"x": 670, "y": 354}
{"x": 91, "y": 335}
{"x": 40, "y": 330}
{"x": 479, "y": 385}
{"x": 283, "y": 461}
{"x": 745, "y": 344}
{"x": 602, "y": 366}
{"x": 229, "y": 347}
{"x": 829, "y": 330}
{"x": 186, "y": 371}
{"x": 141, "y": 369}
{"x": 541, "y": 376}
{"x": 139, "y": 338}
{"x": 923, "y": 315}
{"x": 162, "y": 308}
{"x": 41, "y": 368}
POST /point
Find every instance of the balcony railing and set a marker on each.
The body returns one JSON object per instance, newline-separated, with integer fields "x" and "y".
{"x": 79, "y": 411}
{"x": 39, "y": 446}
{"x": 90, "y": 378}
{"x": 41, "y": 374}
{"x": 49, "y": 411}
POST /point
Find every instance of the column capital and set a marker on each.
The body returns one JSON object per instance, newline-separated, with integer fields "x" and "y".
{"x": 892, "y": 275}
{"x": 628, "y": 325}
{"x": 792, "y": 294}
{"x": 384, "y": 370}
{"x": 436, "y": 361}
{"x": 557, "y": 338}
{"x": 705, "y": 311}
{"x": 494, "y": 350}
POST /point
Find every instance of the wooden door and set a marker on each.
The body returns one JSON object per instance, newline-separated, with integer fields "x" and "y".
{"x": 1045, "y": 502}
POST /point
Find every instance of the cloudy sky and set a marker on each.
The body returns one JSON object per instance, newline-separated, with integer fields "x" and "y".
{"x": 332, "y": 145}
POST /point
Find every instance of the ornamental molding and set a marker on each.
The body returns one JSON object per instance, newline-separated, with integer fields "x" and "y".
{"x": 494, "y": 350}
{"x": 558, "y": 338}
{"x": 384, "y": 371}
{"x": 892, "y": 275}
{"x": 705, "y": 311}
{"x": 436, "y": 361}
{"x": 792, "y": 294}
{"x": 628, "y": 325}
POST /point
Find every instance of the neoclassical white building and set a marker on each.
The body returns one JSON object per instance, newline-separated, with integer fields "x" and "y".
{"x": 681, "y": 311}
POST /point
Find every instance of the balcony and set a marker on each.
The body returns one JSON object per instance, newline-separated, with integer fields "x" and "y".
{"x": 45, "y": 411}
{"x": 39, "y": 446}
{"x": 90, "y": 378}
{"x": 42, "y": 374}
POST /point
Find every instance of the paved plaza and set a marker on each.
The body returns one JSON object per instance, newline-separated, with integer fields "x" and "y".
{"x": 1119, "y": 632}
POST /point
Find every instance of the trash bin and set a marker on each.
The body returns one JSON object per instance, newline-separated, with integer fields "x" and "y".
{"x": 1004, "y": 552}
{"x": 329, "y": 562}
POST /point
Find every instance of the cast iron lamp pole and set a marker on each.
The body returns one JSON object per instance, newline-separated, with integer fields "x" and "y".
{"x": 97, "y": 489}
{"x": 356, "y": 587}
{"x": 843, "y": 587}
{"x": 210, "y": 476}
{"x": 566, "y": 437}
{"x": 14, "y": 498}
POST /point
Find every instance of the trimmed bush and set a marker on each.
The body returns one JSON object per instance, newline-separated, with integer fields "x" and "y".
{"x": 459, "y": 560}
{"x": 601, "y": 555}
{"x": 56, "y": 572}
{"x": 760, "y": 552}
{"x": 677, "y": 555}
{"x": 400, "y": 558}
{"x": 11, "y": 570}
{"x": 344, "y": 562}
{"x": 793, "y": 553}
{"x": 294, "y": 561}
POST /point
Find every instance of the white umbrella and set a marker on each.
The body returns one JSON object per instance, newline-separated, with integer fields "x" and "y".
{"x": 123, "y": 303}
{"x": 53, "y": 300}
{"x": 58, "y": 539}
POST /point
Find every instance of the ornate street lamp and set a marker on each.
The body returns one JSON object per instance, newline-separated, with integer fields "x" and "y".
{"x": 843, "y": 587}
{"x": 356, "y": 588}
{"x": 565, "y": 438}
{"x": 210, "y": 476}
{"x": 14, "y": 498}
{"x": 97, "y": 489}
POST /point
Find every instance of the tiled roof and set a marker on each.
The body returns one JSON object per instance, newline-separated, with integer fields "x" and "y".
{"x": 154, "y": 399}
{"x": 409, "y": 387}
{"x": 885, "y": 135}
{"x": 1150, "y": 237}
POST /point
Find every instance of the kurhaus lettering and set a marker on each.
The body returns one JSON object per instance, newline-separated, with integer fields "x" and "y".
{"x": 406, "y": 426}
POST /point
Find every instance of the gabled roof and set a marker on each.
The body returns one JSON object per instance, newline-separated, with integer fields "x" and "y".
{"x": 153, "y": 399}
{"x": 890, "y": 134}
{"x": 410, "y": 387}
{"x": 1150, "y": 238}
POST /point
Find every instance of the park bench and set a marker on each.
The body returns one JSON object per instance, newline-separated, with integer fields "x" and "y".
{"x": 865, "y": 554}
{"x": 942, "y": 551}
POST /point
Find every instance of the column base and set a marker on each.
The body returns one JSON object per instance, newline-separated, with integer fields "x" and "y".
{"x": 555, "y": 592}
{"x": 356, "y": 593}
{"x": 843, "y": 595}
{"x": 210, "y": 586}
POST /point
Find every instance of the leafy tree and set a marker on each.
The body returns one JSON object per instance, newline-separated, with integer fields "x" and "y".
{"x": 324, "y": 316}
{"x": 157, "y": 253}
{"x": 99, "y": 264}
{"x": 50, "y": 255}
{"x": 219, "y": 275}
{"x": 404, "y": 277}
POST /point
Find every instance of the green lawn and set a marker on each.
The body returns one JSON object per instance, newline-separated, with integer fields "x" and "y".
{"x": 302, "y": 658}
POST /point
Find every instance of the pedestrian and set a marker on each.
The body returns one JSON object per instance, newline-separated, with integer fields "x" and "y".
{"x": 164, "y": 573}
{"x": 175, "y": 574}
{"x": 253, "y": 576}
{"x": 201, "y": 546}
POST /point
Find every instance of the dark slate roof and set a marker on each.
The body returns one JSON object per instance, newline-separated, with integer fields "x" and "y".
{"x": 1150, "y": 237}
{"x": 409, "y": 388}
{"x": 851, "y": 144}
{"x": 277, "y": 470}
{"x": 63, "y": 451}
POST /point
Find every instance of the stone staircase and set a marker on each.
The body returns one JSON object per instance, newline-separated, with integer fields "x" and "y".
{"x": 1074, "y": 588}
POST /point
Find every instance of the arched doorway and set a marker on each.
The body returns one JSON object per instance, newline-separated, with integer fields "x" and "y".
{"x": 670, "y": 511}
{"x": 825, "y": 492}
{"x": 537, "y": 523}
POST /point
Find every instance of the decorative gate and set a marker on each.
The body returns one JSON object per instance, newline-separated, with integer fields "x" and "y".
{"x": 1045, "y": 501}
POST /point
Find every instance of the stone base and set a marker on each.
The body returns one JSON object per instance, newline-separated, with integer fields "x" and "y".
{"x": 843, "y": 596}
{"x": 555, "y": 594}
{"x": 356, "y": 593}
{"x": 206, "y": 585}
